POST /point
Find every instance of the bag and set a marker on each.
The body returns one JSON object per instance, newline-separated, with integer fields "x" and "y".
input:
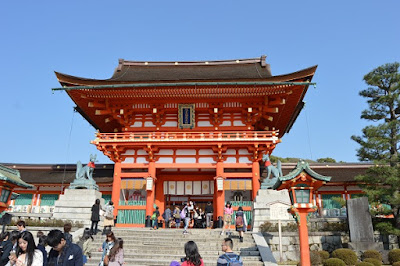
{"x": 183, "y": 214}
{"x": 177, "y": 215}
{"x": 233, "y": 261}
{"x": 239, "y": 221}
{"x": 106, "y": 260}
{"x": 153, "y": 217}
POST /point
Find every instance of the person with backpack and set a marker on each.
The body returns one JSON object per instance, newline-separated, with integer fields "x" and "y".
{"x": 177, "y": 216}
{"x": 229, "y": 258}
{"x": 240, "y": 223}
{"x": 154, "y": 217}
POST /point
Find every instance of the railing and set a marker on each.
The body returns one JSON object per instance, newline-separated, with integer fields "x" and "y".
{"x": 131, "y": 216}
{"x": 187, "y": 136}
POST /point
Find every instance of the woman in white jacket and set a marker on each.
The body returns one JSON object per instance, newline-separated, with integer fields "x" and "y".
{"x": 26, "y": 253}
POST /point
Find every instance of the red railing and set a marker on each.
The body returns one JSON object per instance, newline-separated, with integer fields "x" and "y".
{"x": 187, "y": 136}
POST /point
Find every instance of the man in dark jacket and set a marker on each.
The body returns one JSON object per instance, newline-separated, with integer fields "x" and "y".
{"x": 63, "y": 252}
{"x": 209, "y": 214}
{"x": 6, "y": 246}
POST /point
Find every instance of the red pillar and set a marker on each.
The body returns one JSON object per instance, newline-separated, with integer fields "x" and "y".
{"x": 220, "y": 195}
{"x": 255, "y": 180}
{"x": 150, "y": 193}
{"x": 303, "y": 235}
{"x": 116, "y": 188}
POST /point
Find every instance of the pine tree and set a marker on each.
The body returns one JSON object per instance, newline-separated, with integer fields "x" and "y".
{"x": 380, "y": 143}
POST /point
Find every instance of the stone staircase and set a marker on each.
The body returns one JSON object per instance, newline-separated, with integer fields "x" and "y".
{"x": 143, "y": 246}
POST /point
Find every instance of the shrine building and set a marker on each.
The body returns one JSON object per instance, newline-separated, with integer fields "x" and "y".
{"x": 180, "y": 131}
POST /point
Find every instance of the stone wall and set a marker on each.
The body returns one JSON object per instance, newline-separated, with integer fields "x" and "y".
{"x": 328, "y": 241}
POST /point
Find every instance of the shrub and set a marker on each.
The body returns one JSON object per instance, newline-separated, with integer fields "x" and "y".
{"x": 347, "y": 255}
{"x": 324, "y": 255}
{"x": 394, "y": 255}
{"x": 335, "y": 262}
{"x": 373, "y": 254}
{"x": 375, "y": 262}
{"x": 315, "y": 258}
{"x": 396, "y": 263}
{"x": 364, "y": 264}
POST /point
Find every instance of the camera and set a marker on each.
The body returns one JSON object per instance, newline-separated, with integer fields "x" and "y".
{"x": 183, "y": 259}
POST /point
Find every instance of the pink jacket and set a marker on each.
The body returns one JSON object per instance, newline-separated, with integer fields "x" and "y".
{"x": 118, "y": 259}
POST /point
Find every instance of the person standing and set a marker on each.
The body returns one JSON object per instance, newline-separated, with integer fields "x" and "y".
{"x": 109, "y": 217}
{"x": 228, "y": 211}
{"x": 192, "y": 257}
{"x": 42, "y": 245}
{"x": 240, "y": 223}
{"x": 209, "y": 214}
{"x": 86, "y": 243}
{"x": 63, "y": 252}
{"x": 21, "y": 226}
{"x": 107, "y": 246}
{"x": 95, "y": 218}
{"x": 116, "y": 257}
{"x": 185, "y": 214}
{"x": 154, "y": 217}
{"x": 177, "y": 216}
{"x": 229, "y": 258}
{"x": 27, "y": 254}
{"x": 167, "y": 217}
{"x": 67, "y": 230}
{"x": 6, "y": 247}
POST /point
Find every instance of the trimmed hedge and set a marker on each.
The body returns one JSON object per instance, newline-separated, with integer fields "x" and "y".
{"x": 394, "y": 255}
{"x": 324, "y": 255}
{"x": 315, "y": 258}
{"x": 347, "y": 255}
{"x": 375, "y": 262}
{"x": 364, "y": 264}
{"x": 335, "y": 262}
{"x": 373, "y": 254}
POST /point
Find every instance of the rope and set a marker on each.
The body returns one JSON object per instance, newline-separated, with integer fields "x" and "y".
{"x": 68, "y": 145}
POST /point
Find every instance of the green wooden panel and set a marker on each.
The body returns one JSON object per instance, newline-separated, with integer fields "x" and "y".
{"x": 328, "y": 203}
{"x": 106, "y": 197}
{"x": 131, "y": 216}
{"x": 24, "y": 199}
{"x": 48, "y": 199}
{"x": 242, "y": 203}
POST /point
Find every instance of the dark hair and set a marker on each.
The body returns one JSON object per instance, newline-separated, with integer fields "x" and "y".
{"x": 30, "y": 249}
{"x": 228, "y": 241}
{"x": 110, "y": 203}
{"x": 111, "y": 234}
{"x": 14, "y": 235}
{"x": 228, "y": 203}
{"x": 240, "y": 208}
{"x": 4, "y": 235}
{"x": 54, "y": 237}
{"x": 192, "y": 253}
{"x": 42, "y": 238}
{"x": 21, "y": 223}
{"x": 97, "y": 202}
{"x": 119, "y": 244}
{"x": 67, "y": 227}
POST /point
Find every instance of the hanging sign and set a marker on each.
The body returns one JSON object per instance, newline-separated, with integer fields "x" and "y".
{"x": 186, "y": 115}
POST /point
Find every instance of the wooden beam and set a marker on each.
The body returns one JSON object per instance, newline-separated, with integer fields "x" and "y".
{"x": 103, "y": 112}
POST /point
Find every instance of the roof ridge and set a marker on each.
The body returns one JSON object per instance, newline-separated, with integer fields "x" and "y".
{"x": 261, "y": 59}
{"x": 10, "y": 170}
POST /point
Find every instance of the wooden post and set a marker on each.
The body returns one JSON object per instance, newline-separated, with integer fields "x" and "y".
{"x": 303, "y": 235}
{"x": 255, "y": 180}
{"x": 116, "y": 188}
{"x": 150, "y": 193}
{"x": 220, "y": 194}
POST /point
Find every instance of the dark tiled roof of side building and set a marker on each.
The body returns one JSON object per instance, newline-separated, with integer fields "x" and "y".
{"x": 54, "y": 173}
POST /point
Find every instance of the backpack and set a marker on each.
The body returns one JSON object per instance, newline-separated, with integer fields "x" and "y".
{"x": 183, "y": 214}
{"x": 239, "y": 221}
{"x": 233, "y": 261}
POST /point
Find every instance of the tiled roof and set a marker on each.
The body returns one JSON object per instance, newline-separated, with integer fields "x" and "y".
{"x": 12, "y": 176}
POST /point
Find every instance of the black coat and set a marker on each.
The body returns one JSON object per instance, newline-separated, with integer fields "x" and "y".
{"x": 95, "y": 213}
{"x": 7, "y": 246}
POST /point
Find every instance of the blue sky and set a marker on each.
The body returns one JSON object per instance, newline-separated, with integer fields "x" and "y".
{"x": 347, "y": 39}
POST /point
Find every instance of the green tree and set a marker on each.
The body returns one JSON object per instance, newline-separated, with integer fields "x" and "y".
{"x": 380, "y": 141}
{"x": 326, "y": 160}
